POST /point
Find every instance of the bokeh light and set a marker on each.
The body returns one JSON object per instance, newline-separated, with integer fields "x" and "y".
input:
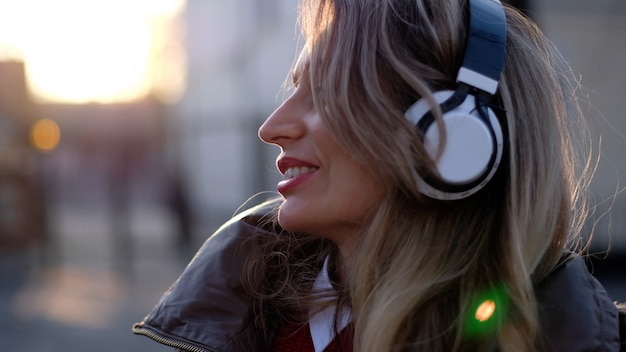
{"x": 45, "y": 134}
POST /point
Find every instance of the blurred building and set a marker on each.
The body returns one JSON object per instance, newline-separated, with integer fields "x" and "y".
{"x": 590, "y": 35}
{"x": 239, "y": 54}
{"x": 94, "y": 89}
{"x": 22, "y": 217}
{"x": 99, "y": 156}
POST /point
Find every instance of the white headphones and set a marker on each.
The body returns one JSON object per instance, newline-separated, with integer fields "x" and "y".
{"x": 474, "y": 139}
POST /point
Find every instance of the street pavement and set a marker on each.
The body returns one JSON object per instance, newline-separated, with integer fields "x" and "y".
{"x": 78, "y": 293}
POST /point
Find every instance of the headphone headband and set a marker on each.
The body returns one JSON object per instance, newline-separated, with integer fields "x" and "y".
{"x": 485, "y": 49}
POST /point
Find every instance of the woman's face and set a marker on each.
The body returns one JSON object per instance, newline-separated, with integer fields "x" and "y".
{"x": 326, "y": 192}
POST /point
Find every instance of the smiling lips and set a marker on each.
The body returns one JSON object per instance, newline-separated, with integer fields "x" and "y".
{"x": 292, "y": 167}
{"x": 295, "y": 172}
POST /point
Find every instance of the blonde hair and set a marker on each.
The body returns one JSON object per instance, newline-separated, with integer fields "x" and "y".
{"x": 422, "y": 266}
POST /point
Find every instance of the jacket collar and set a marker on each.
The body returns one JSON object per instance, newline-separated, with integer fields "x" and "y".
{"x": 207, "y": 308}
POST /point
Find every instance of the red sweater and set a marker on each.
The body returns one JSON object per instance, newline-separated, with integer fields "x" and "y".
{"x": 297, "y": 338}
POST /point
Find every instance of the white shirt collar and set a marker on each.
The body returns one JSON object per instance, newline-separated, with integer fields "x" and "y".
{"x": 321, "y": 324}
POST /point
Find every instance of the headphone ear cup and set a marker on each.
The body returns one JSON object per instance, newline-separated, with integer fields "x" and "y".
{"x": 471, "y": 152}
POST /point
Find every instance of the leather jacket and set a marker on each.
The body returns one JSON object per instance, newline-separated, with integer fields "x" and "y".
{"x": 207, "y": 309}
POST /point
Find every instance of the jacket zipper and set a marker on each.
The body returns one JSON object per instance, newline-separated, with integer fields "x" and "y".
{"x": 168, "y": 342}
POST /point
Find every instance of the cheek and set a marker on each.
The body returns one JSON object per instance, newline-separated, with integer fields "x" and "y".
{"x": 359, "y": 195}
{"x": 354, "y": 190}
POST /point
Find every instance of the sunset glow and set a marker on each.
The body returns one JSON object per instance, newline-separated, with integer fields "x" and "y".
{"x": 103, "y": 51}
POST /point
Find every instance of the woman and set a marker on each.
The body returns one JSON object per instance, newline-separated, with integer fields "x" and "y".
{"x": 396, "y": 229}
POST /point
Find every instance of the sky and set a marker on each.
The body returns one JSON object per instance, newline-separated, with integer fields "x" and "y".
{"x": 103, "y": 51}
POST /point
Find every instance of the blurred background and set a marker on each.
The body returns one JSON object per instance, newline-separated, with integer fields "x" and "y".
{"x": 128, "y": 135}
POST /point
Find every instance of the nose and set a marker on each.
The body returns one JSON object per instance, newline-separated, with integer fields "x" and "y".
{"x": 284, "y": 124}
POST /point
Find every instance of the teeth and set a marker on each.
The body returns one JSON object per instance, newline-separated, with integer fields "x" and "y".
{"x": 297, "y": 171}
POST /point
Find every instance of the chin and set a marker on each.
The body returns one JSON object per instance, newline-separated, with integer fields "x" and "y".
{"x": 296, "y": 220}
{"x": 289, "y": 220}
